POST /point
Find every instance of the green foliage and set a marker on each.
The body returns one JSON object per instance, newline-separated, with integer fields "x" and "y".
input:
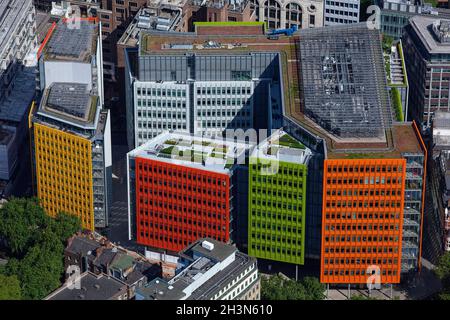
{"x": 37, "y": 243}
{"x": 65, "y": 225}
{"x": 40, "y": 271}
{"x": 279, "y": 288}
{"x": 387, "y": 43}
{"x": 443, "y": 268}
{"x": 21, "y": 220}
{"x": 443, "y": 272}
{"x": 397, "y": 103}
{"x": 9, "y": 288}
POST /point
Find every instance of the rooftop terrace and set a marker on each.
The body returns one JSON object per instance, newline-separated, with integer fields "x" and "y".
{"x": 193, "y": 151}
{"x": 282, "y": 147}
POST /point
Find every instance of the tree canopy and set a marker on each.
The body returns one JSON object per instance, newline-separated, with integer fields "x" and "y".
{"x": 279, "y": 288}
{"x": 9, "y": 288}
{"x": 36, "y": 244}
{"x": 443, "y": 272}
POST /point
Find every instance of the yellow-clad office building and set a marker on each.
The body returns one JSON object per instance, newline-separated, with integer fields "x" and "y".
{"x": 70, "y": 140}
{"x": 70, "y": 130}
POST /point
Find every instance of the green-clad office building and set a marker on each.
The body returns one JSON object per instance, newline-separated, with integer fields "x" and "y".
{"x": 277, "y": 199}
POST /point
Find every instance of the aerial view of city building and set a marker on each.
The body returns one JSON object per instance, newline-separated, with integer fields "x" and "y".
{"x": 224, "y": 150}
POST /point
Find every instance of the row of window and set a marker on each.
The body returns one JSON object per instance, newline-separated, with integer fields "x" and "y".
{"x": 364, "y": 192}
{"x": 363, "y": 215}
{"x": 364, "y": 227}
{"x": 173, "y": 239}
{"x": 278, "y": 250}
{"x": 358, "y": 238}
{"x": 366, "y": 180}
{"x": 361, "y": 250}
{"x": 180, "y": 104}
{"x": 353, "y": 262}
{"x": 174, "y": 195}
{"x": 158, "y": 92}
{"x": 275, "y": 227}
{"x": 365, "y": 204}
{"x": 190, "y": 201}
{"x": 368, "y": 168}
{"x": 284, "y": 195}
{"x": 277, "y": 216}
{"x": 281, "y": 181}
{"x": 279, "y": 205}
{"x": 297, "y": 241}
{"x": 185, "y": 229}
{"x": 357, "y": 272}
{"x": 194, "y": 213}
{"x": 224, "y": 113}
{"x": 207, "y": 181}
{"x": 224, "y": 91}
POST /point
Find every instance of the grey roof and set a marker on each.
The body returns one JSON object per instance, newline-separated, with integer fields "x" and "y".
{"x": 220, "y": 252}
{"x": 69, "y": 98}
{"x": 70, "y": 104}
{"x": 105, "y": 258}
{"x": 72, "y": 42}
{"x": 143, "y": 269}
{"x": 82, "y": 246}
{"x": 423, "y": 27}
{"x": 93, "y": 287}
{"x": 343, "y": 80}
{"x": 222, "y": 278}
{"x": 160, "y": 289}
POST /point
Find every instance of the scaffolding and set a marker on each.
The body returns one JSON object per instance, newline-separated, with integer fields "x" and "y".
{"x": 343, "y": 78}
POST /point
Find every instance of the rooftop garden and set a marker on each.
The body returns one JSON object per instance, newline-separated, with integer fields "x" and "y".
{"x": 397, "y": 103}
{"x": 287, "y": 141}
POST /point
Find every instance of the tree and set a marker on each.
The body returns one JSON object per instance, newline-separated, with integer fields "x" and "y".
{"x": 40, "y": 272}
{"x": 279, "y": 288}
{"x": 65, "y": 225}
{"x": 36, "y": 243}
{"x": 9, "y": 288}
{"x": 315, "y": 289}
{"x": 21, "y": 221}
{"x": 443, "y": 272}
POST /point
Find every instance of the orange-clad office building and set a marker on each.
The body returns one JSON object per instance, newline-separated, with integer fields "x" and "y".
{"x": 372, "y": 210}
{"x": 369, "y": 164}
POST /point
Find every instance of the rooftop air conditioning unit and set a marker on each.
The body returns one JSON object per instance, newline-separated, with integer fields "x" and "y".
{"x": 208, "y": 245}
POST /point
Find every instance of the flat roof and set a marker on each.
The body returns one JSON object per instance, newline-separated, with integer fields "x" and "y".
{"x": 218, "y": 155}
{"x": 72, "y": 103}
{"x": 423, "y": 27}
{"x": 202, "y": 260}
{"x": 210, "y": 43}
{"x": 282, "y": 147}
{"x": 220, "y": 252}
{"x": 343, "y": 80}
{"x": 355, "y": 42}
{"x": 93, "y": 287}
{"x": 74, "y": 40}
